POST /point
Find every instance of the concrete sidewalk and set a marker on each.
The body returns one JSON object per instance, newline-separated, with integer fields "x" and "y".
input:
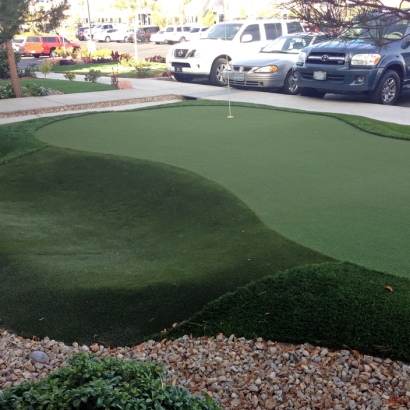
{"x": 152, "y": 88}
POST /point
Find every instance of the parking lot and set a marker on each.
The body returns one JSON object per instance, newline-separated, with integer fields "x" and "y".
{"x": 151, "y": 49}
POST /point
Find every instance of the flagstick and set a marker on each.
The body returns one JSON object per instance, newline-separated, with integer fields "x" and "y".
{"x": 226, "y": 57}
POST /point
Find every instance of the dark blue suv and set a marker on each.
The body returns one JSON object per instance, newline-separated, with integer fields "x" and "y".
{"x": 354, "y": 64}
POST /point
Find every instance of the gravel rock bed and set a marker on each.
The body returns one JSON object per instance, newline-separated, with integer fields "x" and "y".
{"x": 242, "y": 374}
{"x": 78, "y": 107}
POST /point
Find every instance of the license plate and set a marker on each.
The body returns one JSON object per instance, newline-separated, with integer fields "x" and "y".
{"x": 33, "y": 51}
{"x": 178, "y": 69}
{"x": 239, "y": 77}
{"x": 319, "y": 75}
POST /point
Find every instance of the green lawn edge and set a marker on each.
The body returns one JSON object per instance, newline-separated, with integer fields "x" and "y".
{"x": 339, "y": 305}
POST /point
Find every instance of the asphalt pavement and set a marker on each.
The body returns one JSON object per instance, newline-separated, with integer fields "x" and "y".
{"x": 156, "y": 87}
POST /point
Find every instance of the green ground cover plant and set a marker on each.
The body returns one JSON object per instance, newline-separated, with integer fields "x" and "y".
{"x": 107, "y": 383}
{"x": 122, "y": 247}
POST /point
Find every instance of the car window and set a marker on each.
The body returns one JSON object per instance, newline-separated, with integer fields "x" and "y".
{"x": 169, "y": 29}
{"x": 294, "y": 27}
{"x": 194, "y": 30}
{"x": 18, "y": 40}
{"x": 65, "y": 40}
{"x": 254, "y": 30}
{"x": 179, "y": 29}
{"x": 50, "y": 39}
{"x": 224, "y": 31}
{"x": 273, "y": 30}
{"x": 33, "y": 39}
{"x": 187, "y": 28}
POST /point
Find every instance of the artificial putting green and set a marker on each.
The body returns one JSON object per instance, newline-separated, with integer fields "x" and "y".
{"x": 316, "y": 180}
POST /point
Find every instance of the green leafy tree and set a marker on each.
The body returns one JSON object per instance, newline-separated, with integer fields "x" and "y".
{"x": 15, "y": 13}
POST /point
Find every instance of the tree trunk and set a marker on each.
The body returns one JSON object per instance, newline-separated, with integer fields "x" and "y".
{"x": 14, "y": 77}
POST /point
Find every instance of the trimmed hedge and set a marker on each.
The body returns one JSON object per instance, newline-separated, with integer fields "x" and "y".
{"x": 338, "y": 305}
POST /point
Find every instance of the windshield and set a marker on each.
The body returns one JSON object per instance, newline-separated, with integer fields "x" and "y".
{"x": 18, "y": 40}
{"x": 287, "y": 44}
{"x": 391, "y": 28}
{"x": 224, "y": 31}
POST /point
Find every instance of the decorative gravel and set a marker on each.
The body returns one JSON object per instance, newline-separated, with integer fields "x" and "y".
{"x": 78, "y": 107}
{"x": 242, "y": 374}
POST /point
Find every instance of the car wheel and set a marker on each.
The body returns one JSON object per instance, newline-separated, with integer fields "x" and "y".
{"x": 53, "y": 53}
{"x": 216, "y": 78}
{"x": 290, "y": 86}
{"x": 182, "y": 40}
{"x": 183, "y": 78}
{"x": 125, "y": 39}
{"x": 157, "y": 42}
{"x": 388, "y": 90}
{"x": 311, "y": 92}
{"x": 36, "y": 55}
{"x": 107, "y": 39}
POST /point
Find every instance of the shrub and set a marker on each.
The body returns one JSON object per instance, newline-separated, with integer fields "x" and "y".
{"x": 104, "y": 52}
{"x": 29, "y": 71}
{"x": 6, "y": 91}
{"x": 115, "y": 56}
{"x": 35, "y": 90}
{"x": 66, "y": 62}
{"x": 91, "y": 383}
{"x": 93, "y": 76}
{"x": 100, "y": 60}
{"x": 45, "y": 68}
{"x": 142, "y": 67}
{"x": 61, "y": 52}
{"x": 156, "y": 59}
{"x": 4, "y": 64}
{"x": 126, "y": 60}
{"x": 69, "y": 75}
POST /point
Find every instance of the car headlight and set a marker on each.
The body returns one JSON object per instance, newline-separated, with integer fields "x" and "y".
{"x": 301, "y": 58}
{"x": 194, "y": 54}
{"x": 267, "y": 69}
{"x": 365, "y": 59}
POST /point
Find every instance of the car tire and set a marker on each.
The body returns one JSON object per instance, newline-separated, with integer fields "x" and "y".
{"x": 157, "y": 42}
{"x": 107, "y": 39}
{"x": 311, "y": 92}
{"x": 183, "y": 78}
{"x": 290, "y": 87}
{"x": 126, "y": 39}
{"x": 36, "y": 55}
{"x": 182, "y": 40}
{"x": 215, "y": 77}
{"x": 388, "y": 90}
{"x": 53, "y": 53}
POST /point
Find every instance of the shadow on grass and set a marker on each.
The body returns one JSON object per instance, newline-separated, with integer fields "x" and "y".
{"x": 100, "y": 248}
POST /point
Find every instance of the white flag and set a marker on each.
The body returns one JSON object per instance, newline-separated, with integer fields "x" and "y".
{"x": 211, "y": 4}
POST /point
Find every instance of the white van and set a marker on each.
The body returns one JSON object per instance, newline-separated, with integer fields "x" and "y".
{"x": 224, "y": 41}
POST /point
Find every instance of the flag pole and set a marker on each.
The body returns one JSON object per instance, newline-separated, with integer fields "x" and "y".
{"x": 226, "y": 58}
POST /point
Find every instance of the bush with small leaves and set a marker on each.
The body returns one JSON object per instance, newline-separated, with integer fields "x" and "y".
{"x": 142, "y": 67}
{"x": 91, "y": 383}
{"x": 4, "y": 62}
{"x": 35, "y": 90}
{"x": 6, "y": 91}
{"x": 104, "y": 52}
{"x": 69, "y": 75}
{"x": 46, "y": 67}
{"x": 29, "y": 71}
{"x": 93, "y": 76}
{"x": 126, "y": 60}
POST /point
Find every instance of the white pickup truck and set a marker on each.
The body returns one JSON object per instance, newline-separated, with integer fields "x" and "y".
{"x": 225, "y": 41}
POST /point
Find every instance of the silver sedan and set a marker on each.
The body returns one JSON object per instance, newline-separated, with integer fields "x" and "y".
{"x": 271, "y": 68}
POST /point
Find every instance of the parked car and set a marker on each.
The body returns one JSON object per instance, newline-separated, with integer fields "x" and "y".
{"x": 79, "y": 34}
{"x": 176, "y": 34}
{"x": 209, "y": 56}
{"x": 373, "y": 62}
{"x": 96, "y": 29}
{"x": 272, "y": 67}
{"x": 158, "y": 37}
{"x": 46, "y": 45}
{"x": 112, "y": 34}
{"x": 143, "y": 33}
{"x": 196, "y": 33}
{"x": 19, "y": 44}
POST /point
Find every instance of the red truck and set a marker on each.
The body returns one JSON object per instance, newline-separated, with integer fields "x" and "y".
{"x": 46, "y": 45}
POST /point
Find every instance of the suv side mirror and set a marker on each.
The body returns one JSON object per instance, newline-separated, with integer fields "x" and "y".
{"x": 247, "y": 38}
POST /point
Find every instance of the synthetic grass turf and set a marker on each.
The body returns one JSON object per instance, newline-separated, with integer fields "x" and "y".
{"x": 101, "y": 248}
{"x": 316, "y": 180}
{"x": 337, "y": 305}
